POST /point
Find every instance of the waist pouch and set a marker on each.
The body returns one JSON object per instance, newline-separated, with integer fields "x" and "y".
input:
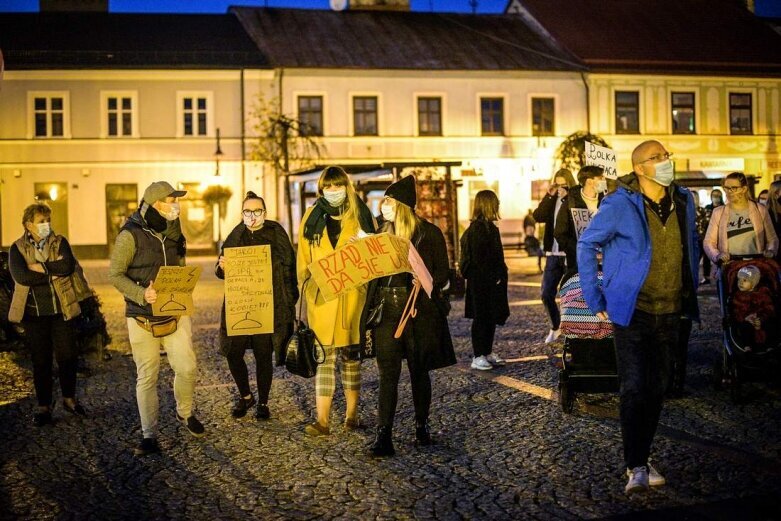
{"x": 159, "y": 329}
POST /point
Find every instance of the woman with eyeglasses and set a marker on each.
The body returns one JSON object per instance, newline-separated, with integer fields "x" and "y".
{"x": 740, "y": 227}
{"x": 255, "y": 230}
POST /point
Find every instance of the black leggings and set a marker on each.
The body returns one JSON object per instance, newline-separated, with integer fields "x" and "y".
{"x": 50, "y": 337}
{"x": 390, "y": 352}
{"x": 262, "y": 349}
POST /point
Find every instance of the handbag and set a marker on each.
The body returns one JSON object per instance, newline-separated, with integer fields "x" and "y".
{"x": 374, "y": 316}
{"x": 303, "y": 351}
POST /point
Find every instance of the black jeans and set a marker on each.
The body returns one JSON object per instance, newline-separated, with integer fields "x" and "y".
{"x": 390, "y": 352}
{"x": 679, "y": 356}
{"x": 262, "y": 349}
{"x": 483, "y": 331}
{"x": 643, "y": 350}
{"x": 551, "y": 277}
{"x": 50, "y": 337}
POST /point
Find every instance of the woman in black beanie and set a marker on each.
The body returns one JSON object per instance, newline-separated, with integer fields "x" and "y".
{"x": 425, "y": 340}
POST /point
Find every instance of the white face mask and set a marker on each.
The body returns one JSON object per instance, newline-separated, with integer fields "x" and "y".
{"x": 170, "y": 211}
{"x": 665, "y": 172}
{"x": 43, "y": 229}
{"x": 600, "y": 185}
{"x": 388, "y": 212}
{"x": 336, "y": 196}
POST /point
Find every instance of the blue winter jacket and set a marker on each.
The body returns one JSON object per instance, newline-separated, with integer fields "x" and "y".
{"x": 620, "y": 229}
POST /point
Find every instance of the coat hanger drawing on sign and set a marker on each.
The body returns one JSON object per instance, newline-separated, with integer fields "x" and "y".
{"x": 173, "y": 305}
{"x": 246, "y": 323}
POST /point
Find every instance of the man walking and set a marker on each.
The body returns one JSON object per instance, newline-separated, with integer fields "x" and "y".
{"x": 647, "y": 233}
{"x": 555, "y": 258}
{"x": 151, "y": 238}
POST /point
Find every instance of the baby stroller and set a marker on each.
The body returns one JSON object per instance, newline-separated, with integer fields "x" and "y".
{"x": 741, "y": 359}
{"x": 589, "y": 357}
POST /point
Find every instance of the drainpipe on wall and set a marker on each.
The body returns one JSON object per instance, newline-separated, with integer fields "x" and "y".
{"x": 243, "y": 134}
{"x": 588, "y": 102}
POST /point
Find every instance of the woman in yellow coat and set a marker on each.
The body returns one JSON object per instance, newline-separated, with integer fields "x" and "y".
{"x": 336, "y": 218}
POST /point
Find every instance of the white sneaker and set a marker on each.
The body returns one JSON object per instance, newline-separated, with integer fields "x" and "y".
{"x": 553, "y": 335}
{"x": 654, "y": 478}
{"x": 638, "y": 480}
{"x": 494, "y": 359}
{"x": 479, "y": 362}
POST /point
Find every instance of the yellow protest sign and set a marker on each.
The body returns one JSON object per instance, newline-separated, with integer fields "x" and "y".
{"x": 359, "y": 262}
{"x": 249, "y": 290}
{"x": 174, "y": 286}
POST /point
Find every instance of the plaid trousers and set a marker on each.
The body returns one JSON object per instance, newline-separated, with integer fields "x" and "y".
{"x": 325, "y": 379}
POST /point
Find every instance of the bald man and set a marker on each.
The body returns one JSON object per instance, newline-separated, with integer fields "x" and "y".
{"x": 647, "y": 233}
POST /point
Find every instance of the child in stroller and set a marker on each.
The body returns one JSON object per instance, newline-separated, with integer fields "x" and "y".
{"x": 753, "y": 309}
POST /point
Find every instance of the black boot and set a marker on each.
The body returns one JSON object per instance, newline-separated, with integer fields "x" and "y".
{"x": 423, "y": 434}
{"x": 383, "y": 443}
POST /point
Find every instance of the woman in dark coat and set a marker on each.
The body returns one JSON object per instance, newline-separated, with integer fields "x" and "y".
{"x": 483, "y": 267}
{"x": 425, "y": 341}
{"x": 254, "y": 231}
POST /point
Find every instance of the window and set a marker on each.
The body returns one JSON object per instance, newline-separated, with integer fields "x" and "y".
{"x": 492, "y": 116}
{"x": 49, "y": 114}
{"x": 740, "y": 113}
{"x": 430, "y": 116}
{"x": 118, "y": 111}
{"x": 542, "y": 117}
{"x": 196, "y": 113}
{"x": 365, "y": 115}
{"x": 683, "y": 112}
{"x": 310, "y": 114}
{"x": 627, "y": 112}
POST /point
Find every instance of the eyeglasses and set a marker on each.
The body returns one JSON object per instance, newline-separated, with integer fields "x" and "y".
{"x": 732, "y": 189}
{"x": 658, "y": 157}
{"x": 256, "y": 213}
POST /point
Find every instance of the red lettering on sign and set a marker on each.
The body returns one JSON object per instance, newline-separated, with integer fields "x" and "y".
{"x": 324, "y": 265}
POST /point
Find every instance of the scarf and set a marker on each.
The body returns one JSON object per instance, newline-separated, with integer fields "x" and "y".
{"x": 315, "y": 224}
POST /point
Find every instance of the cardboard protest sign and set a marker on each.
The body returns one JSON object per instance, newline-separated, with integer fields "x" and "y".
{"x": 359, "y": 262}
{"x": 249, "y": 290}
{"x": 602, "y": 156}
{"x": 174, "y": 286}
{"x": 582, "y": 218}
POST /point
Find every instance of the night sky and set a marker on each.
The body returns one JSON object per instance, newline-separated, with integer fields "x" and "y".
{"x": 221, "y": 6}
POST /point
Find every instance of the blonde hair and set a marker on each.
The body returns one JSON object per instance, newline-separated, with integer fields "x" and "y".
{"x": 772, "y": 198}
{"x": 486, "y": 206}
{"x": 406, "y": 223}
{"x": 336, "y": 176}
{"x": 34, "y": 209}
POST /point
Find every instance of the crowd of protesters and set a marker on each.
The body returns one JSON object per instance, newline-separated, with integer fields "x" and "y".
{"x": 648, "y": 236}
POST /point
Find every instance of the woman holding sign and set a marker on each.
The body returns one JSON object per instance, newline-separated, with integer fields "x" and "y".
{"x": 255, "y": 230}
{"x": 337, "y": 217}
{"x": 422, "y": 338}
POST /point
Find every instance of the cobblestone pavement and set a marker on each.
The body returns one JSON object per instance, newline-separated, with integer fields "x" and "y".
{"x": 505, "y": 451}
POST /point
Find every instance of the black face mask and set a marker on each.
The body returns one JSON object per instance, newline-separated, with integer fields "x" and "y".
{"x": 155, "y": 221}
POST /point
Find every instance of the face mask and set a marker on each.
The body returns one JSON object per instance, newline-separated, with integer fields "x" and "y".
{"x": 763, "y": 202}
{"x": 172, "y": 212}
{"x": 253, "y": 222}
{"x": 665, "y": 172}
{"x": 44, "y": 229}
{"x": 388, "y": 212}
{"x": 155, "y": 221}
{"x": 335, "y": 197}
{"x": 600, "y": 185}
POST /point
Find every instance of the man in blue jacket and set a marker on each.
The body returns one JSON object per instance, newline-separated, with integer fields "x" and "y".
{"x": 646, "y": 231}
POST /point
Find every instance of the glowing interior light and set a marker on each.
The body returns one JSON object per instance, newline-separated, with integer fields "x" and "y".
{"x": 53, "y": 194}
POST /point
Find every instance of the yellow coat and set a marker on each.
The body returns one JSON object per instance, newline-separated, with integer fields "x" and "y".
{"x": 336, "y": 322}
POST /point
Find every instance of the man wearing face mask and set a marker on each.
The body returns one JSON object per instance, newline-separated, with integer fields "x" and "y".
{"x": 646, "y": 230}
{"x": 587, "y": 195}
{"x": 151, "y": 238}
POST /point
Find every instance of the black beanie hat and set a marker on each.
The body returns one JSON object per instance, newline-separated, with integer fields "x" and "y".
{"x": 403, "y": 191}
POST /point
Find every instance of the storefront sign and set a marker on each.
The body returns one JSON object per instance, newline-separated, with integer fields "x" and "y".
{"x": 174, "y": 286}
{"x": 726, "y": 164}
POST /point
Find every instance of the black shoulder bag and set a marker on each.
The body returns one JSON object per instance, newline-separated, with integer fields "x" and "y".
{"x": 303, "y": 351}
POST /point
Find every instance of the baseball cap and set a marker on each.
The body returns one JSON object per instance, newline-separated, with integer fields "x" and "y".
{"x": 160, "y": 190}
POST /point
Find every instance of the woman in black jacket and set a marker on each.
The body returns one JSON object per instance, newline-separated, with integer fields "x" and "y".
{"x": 45, "y": 300}
{"x": 425, "y": 340}
{"x": 483, "y": 267}
{"x": 254, "y": 230}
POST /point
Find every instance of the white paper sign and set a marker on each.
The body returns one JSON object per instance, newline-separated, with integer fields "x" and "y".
{"x": 582, "y": 218}
{"x": 603, "y": 157}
